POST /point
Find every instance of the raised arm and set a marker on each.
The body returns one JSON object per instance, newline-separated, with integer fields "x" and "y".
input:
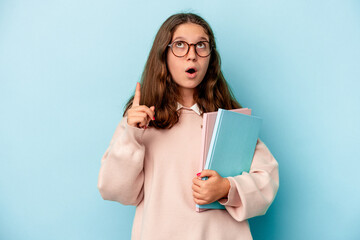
{"x": 121, "y": 176}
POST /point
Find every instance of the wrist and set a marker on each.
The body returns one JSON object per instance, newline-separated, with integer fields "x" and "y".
{"x": 226, "y": 187}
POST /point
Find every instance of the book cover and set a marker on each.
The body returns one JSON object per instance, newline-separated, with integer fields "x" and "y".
{"x": 207, "y": 130}
{"x": 232, "y": 146}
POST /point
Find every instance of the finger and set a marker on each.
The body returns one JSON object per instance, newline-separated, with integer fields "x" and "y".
{"x": 148, "y": 111}
{"x": 196, "y": 188}
{"x": 141, "y": 117}
{"x": 199, "y": 202}
{"x": 197, "y": 195}
{"x": 138, "y": 114}
{"x": 207, "y": 173}
{"x": 152, "y": 108}
{"x": 136, "y": 101}
{"x": 142, "y": 123}
{"x": 146, "y": 118}
{"x": 135, "y": 121}
{"x": 198, "y": 182}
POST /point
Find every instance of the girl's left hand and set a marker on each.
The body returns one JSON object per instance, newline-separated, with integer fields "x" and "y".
{"x": 210, "y": 190}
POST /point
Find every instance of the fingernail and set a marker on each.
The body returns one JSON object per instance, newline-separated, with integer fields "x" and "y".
{"x": 198, "y": 174}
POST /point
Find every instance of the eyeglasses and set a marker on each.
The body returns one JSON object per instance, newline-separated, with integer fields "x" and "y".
{"x": 181, "y": 48}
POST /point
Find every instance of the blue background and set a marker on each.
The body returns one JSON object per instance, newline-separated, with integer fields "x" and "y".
{"x": 68, "y": 67}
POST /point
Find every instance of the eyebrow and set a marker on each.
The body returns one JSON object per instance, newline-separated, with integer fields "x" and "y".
{"x": 182, "y": 38}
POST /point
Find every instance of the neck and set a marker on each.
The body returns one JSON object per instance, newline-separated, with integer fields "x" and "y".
{"x": 187, "y": 97}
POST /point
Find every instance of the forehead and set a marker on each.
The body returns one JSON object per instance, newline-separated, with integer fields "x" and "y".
{"x": 190, "y": 32}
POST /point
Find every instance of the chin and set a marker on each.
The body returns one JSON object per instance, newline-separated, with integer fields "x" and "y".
{"x": 190, "y": 85}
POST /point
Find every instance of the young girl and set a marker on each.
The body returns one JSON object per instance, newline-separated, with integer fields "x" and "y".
{"x": 154, "y": 154}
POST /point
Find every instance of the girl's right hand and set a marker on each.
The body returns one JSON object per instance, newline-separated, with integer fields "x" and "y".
{"x": 139, "y": 116}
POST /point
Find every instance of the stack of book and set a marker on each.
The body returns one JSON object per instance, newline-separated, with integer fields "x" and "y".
{"x": 229, "y": 139}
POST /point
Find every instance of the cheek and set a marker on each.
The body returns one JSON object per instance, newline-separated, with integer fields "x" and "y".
{"x": 206, "y": 66}
{"x": 172, "y": 63}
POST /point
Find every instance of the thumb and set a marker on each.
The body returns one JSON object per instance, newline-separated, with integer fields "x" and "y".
{"x": 207, "y": 173}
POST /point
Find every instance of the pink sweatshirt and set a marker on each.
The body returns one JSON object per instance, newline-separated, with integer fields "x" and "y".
{"x": 153, "y": 170}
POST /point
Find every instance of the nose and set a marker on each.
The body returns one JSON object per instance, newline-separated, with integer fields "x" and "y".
{"x": 191, "y": 54}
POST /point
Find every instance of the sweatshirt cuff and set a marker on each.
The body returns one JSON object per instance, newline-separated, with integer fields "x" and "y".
{"x": 133, "y": 132}
{"x": 233, "y": 198}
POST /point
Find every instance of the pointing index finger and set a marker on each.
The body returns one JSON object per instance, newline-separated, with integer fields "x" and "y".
{"x": 136, "y": 101}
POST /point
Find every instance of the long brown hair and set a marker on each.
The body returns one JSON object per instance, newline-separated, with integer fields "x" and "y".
{"x": 159, "y": 90}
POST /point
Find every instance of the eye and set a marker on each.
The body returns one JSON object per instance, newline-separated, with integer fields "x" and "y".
{"x": 179, "y": 44}
{"x": 201, "y": 45}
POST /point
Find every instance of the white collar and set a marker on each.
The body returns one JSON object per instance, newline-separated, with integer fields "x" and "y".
{"x": 194, "y": 107}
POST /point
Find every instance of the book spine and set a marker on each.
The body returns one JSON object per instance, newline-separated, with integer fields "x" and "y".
{"x": 203, "y": 142}
{"x": 214, "y": 138}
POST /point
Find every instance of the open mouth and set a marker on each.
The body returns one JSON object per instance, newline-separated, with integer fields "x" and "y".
{"x": 191, "y": 70}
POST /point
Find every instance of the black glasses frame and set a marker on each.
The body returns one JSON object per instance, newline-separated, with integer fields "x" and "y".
{"x": 189, "y": 46}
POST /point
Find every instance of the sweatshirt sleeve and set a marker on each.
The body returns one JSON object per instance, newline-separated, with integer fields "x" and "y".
{"x": 251, "y": 194}
{"x": 121, "y": 176}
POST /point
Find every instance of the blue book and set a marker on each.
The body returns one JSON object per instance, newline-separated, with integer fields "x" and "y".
{"x": 232, "y": 146}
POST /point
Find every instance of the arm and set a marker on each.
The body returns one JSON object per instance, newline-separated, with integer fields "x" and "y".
{"x": 121, "y": 175}
{"x": 251, "y": 194}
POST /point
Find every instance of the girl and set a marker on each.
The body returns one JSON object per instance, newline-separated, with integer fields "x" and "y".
{"x": 154, "y": 154}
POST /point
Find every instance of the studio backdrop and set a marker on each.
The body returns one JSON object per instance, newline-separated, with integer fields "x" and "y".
{"x": 67, "y": 68}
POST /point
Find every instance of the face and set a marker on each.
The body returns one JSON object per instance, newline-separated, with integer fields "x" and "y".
{"x": 179, "y": 67}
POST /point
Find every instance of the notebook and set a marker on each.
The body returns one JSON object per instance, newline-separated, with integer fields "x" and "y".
{"x": 207, "y": 130}
{"x": 233, "y": 141}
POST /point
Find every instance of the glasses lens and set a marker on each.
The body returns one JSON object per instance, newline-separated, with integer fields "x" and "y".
{"x": 203, "y": 49}
{"x": 180, "y": 48}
